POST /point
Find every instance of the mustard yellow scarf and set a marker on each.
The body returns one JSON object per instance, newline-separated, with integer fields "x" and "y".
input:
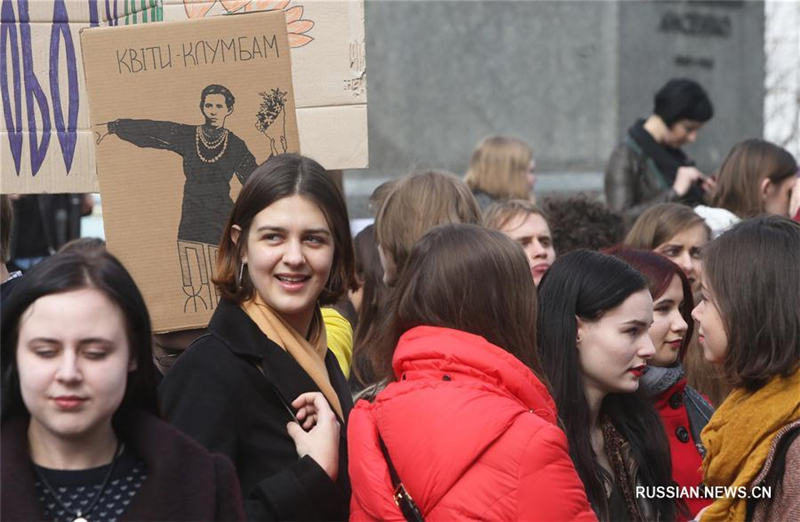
{"x": 738, "y": 438}
{"x": 309, "y": 353}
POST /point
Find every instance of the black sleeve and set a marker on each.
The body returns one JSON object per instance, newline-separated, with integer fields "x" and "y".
{"x": 197, "y": 396}
{"x": 246, "y": 165}
{"x": 154, "y": 134}
{"x": 229, "y": 495}
{"x": 300, "y": 492}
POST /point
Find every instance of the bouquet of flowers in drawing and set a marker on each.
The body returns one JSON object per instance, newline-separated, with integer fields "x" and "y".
{"x": 272, "y": 106}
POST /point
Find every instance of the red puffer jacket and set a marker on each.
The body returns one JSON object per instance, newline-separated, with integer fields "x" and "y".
{"x": 472, "y": 433}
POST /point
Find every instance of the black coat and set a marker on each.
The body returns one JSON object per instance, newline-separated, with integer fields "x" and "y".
{"x": 217, "y": 394}
{"x": 184, "y": 481}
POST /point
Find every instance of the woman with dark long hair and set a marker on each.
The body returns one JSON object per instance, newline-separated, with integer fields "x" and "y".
{"x": 466, "y": 423}
{"x": 81, "y": 439}
{"x": 684, "y": 412}
{"x": 749, "y": 322}
{"x": 286, "y": 250}
{"x": 594, "y": 344}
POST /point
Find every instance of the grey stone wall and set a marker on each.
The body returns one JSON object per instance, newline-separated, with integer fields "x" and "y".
{"x": 568, "y": 77}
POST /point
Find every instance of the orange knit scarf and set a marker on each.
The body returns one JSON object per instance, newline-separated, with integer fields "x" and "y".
{"x": 310, "y": 357}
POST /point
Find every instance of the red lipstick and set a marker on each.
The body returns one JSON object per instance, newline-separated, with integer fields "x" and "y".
{"x": 638, "y": 371}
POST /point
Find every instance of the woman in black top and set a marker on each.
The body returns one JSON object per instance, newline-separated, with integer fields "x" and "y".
{"x": 649, "y": 167}
{"x": 80, "y": 436}
{"x": 285, "y": 250}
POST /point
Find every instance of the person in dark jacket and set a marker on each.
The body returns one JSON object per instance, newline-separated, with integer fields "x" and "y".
{"x": 286, "y": 250}
{"x": 649, "y": 167}
{"x": 683, "y": 411}
{"x": 80, "y": 436}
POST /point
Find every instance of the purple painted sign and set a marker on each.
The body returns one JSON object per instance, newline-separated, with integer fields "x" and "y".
{"x": 58, "y": 112}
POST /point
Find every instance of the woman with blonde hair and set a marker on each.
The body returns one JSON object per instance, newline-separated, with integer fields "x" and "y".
{"x": 501, "y": 168}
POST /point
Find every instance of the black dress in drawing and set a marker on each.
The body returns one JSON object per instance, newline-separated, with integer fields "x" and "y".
{"x": 211, "y": 157}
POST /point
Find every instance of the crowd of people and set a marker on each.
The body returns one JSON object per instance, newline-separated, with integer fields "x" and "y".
{"x": 473, "y": 354}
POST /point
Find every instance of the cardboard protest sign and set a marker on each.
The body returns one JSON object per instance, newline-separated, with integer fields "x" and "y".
{"x": 45, "y": 141}
{"x": 182, "y": 113}
{"x": 328, "y": 68}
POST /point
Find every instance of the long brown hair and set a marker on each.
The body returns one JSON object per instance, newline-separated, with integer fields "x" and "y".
{"x": 752, "y": 272}
{"x": 468, "y": 278}
{"x": 748, "y": 163}
{"x": 372, "y": 312}
{"x": 418, "y": 203}
{"x": 279, "y": 177}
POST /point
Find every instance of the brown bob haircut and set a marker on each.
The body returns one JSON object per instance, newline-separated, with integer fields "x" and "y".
{"x": 499, "y": 166}
{"x": 754, "y": 280}
{"x": 659, "y": 271}
{"x": 748, "y": 163}
{"x": 418, "y": 203}
{"x": 498, "y": 214}
{"x": 277, "y": 178}
{"x": 660, "y": 223}
{"x": 468, "y": 278}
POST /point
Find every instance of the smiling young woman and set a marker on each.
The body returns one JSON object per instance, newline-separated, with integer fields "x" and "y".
{"x": 285, "y": 251}
{"x": 80, "y": 436}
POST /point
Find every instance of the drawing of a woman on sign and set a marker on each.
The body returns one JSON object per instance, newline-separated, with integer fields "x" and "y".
{"x": 212, "y": 155}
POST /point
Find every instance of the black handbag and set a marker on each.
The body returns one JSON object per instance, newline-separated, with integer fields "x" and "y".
{"x": 401, "y": 497}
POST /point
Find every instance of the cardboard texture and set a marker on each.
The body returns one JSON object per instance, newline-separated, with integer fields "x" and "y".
{"x": 44, "y": 134}
{"x": 45, "y": 141}
{"x": 170, "y": 167}
{"x": 328, "y": 69}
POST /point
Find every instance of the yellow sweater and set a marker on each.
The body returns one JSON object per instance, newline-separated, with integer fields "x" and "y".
{"x": 340, "y": 337}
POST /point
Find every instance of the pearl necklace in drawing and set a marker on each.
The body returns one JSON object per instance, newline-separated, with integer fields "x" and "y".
{"x": 210, "y": 145}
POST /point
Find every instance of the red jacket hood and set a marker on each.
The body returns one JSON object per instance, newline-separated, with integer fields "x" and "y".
{"x": 455, "y": 394}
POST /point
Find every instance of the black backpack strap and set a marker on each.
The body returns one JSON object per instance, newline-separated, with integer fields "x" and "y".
{"x": 699, "y": 412}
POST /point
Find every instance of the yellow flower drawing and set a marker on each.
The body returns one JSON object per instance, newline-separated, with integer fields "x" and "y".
{"x": 296, "y": 26}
